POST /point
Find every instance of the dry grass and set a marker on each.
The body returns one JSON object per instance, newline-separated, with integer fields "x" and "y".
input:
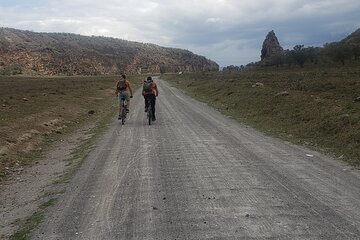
{"x": 35, "y": 111}
{"x": 319, "y": 109}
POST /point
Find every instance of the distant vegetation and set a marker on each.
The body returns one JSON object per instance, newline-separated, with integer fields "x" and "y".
{"x": 330, "y": 53}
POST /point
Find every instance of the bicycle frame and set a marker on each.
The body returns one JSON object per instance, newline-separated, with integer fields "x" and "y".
{"x": 123, "y": 110}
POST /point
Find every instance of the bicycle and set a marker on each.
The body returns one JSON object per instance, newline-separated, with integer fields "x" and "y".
{"x": 149, "y": 111}
{"x": 123, "y": 110}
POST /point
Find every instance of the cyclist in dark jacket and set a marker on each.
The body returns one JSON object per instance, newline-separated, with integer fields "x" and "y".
{"x": 150, "y": 91}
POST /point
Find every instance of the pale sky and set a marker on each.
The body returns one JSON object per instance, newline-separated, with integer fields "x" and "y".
{"x": 230, "y": 32}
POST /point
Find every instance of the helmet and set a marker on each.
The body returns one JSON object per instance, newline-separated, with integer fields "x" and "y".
{"x": 149, "y": 79}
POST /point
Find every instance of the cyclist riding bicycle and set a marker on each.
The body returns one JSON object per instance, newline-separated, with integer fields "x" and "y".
{"x": 150, "y": 92}
{"x": 122, "y": 91}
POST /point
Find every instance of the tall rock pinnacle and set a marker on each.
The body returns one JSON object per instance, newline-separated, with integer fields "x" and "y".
{"x": 271, "y": 46}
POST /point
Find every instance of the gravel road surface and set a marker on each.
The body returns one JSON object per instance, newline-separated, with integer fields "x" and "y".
{"x": 197, "y": 174}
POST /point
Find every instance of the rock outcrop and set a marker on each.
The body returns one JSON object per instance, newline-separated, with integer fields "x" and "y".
{"x": 271, "y": 46}
{"x": 71, "y": 54}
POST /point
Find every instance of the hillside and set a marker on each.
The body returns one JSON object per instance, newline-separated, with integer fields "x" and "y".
{"x": 352, "y": 39}
{"x": 71, "y": 54}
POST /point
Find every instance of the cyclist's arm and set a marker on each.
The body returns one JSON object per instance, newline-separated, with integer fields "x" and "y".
{"x": 131, "y": 93}
{"x": 156, "y": 90}
{"x": 116, "y": 87}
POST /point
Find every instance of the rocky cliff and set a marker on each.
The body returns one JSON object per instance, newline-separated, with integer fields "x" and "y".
{"x": 70, "y": 54}
{"x": 271, "y": 46}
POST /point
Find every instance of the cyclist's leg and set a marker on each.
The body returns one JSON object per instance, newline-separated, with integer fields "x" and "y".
{"x": 127, "y": 97}
{"x": 153, "y": 102}
{"x": 128, "y": 106}
{"x": 124, "y": 95}
{"x": 146, "y": 97}
{"x": 120, "y": 104}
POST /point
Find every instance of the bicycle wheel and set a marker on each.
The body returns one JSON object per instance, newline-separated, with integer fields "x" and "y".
{"x": 123, "y": 116}
{"x": 123, "y": 113}
{"x": 149, "y": 111}
{"x": 149, "y": 115}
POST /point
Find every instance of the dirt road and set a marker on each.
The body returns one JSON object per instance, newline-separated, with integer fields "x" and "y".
{"x": 196, "y": 174}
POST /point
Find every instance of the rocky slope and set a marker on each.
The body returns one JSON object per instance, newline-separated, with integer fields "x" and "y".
{"x": 70, "y": 54}
{"x": 353, "y": 39}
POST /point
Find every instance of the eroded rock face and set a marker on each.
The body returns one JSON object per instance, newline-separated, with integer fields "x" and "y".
{"x": 271, "y": 46}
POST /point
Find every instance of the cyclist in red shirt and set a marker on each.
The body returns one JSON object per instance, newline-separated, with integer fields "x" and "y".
{"x": 150, "y": 91}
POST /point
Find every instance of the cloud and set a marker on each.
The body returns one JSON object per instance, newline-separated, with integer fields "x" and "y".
{"x": 227, "y": 31}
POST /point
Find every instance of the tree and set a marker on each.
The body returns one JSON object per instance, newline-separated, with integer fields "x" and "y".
{"x": 338, "y": 52}
{"x": 299, "y": 55}
{"x": 355, "y": 51}
{"x": 231, "y": 68}
{"x": 277, "y": 60}
{"x": 312, "y": 54}
{"x": 342, "y": 53}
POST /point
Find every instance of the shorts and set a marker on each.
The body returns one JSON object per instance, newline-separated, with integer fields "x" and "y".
{"x": 125, "y": 95}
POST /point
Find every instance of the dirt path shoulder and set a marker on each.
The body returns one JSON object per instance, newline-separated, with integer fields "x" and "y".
{"x": 25, "y": 191}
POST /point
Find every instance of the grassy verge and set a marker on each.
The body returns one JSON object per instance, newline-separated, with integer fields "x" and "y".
{"x": 36, "y": 111}
{"x": 315, "y": 107}
{"x": 31, "y": 222}
{"x": 78, "y": 155}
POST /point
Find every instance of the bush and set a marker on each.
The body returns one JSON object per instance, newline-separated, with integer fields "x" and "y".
{"x": 15, "y": 69}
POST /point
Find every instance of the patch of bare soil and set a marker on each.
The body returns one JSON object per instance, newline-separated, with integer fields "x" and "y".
{"x": 28, "y": 187}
